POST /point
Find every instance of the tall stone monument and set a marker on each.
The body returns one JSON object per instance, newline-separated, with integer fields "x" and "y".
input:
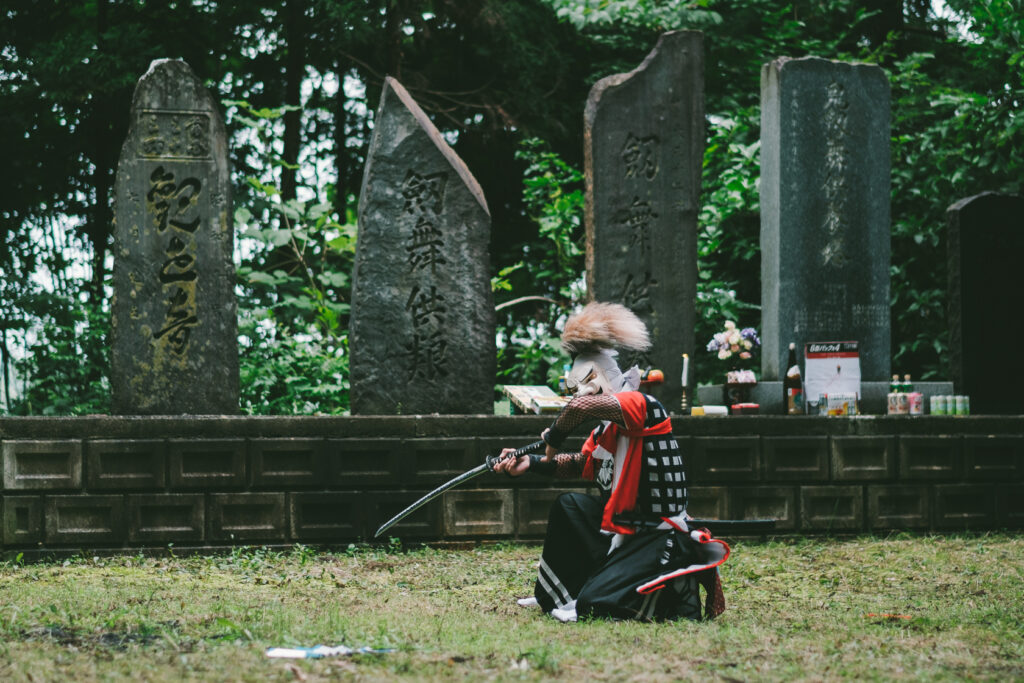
{"x": 422, "y": 327}
{"x": 985, "y": 245}
{"x": 825, "y": 235}
{"x": 644, "y": 147}
{"x": 174, "y": 342}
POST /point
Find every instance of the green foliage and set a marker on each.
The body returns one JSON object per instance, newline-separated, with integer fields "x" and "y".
{"x": 957, "y": 131}
{"x": 498, "y": 77}
{"x": 67, "y": 364}
{"x": 553, "y": 197}
{"x": 656, "y": 15}
{"x": 534, "y": 293}
{"x": 728, "y": 253}
{"x": 294, "y": 287}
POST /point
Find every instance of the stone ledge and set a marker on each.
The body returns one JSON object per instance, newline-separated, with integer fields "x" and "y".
{"x": 527, "y": 426}
{"x": 309, "y": 480}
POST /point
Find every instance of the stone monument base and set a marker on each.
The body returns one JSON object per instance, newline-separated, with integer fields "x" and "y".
{"x": 872, "y": 395}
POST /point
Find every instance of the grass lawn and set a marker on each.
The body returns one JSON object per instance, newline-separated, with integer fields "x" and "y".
{"x": 796, "y": 610}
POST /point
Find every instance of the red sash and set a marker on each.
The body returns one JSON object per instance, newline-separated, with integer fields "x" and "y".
{"x": 623, "y": 496}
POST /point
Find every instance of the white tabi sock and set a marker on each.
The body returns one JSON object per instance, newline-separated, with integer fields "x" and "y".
{"x": 565, "y": 614}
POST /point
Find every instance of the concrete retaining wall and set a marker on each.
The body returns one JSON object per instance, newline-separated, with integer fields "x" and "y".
{"x": 197, "y": 482}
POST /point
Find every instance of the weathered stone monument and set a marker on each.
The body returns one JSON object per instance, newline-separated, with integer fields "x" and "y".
{"x": 644, "y": 146}
{"x": 174, "y": 342}
{"x": 422, "y": 330}
{"x": 986, "y": 242}
{"x": 825, "y": 234}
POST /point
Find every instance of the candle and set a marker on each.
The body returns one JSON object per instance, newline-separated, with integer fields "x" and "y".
{"x": 686, "y": 367}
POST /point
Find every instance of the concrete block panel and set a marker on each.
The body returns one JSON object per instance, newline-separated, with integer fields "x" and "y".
{"x": 85, "y": 520}
{"x": 23, "y": 520}
{"x": 479, "y": 512}
{"x": 832, "y": 508}
{"x": 1010, "y": 505}
{"x": 863, "y": 458}
{"x": 125, "y": 465}
{"x": 327, "y": 517}
{"x": 803, "y": 458}
{"x": 381, "y": 506}
{"x": 994, "y": 458}
{"x": 354, "y": 463}
{"x": 166, "y": 518}
{"x": 724, "y": 459}
{"x": 965, "y": 506}
{"x": 899, "y": 507}
{"x": 765, "y": 502}
{"x": 42, "y": 465}
{"x": 435, "y": 461}
{"x": 208, "y": 464}
{"x": 247, "y": 517}
{"x": 708, "y": 502}
{"x": 533, "y": 506}
{"x": 278, "y": 463}
{"x": 931, "y": 457}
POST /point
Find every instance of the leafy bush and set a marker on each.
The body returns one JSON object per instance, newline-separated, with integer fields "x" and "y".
{"x": 534, "y": 294}
{"x": 67, "y": 361}
{"x": 294, "y": 289}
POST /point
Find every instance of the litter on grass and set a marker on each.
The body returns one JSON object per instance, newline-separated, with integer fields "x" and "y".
{"x": 321, "y": 651}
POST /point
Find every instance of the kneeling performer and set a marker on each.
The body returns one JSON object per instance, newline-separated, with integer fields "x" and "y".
{"x": 629, "y": 553}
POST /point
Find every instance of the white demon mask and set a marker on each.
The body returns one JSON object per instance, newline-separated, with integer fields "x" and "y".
{"x": 590, "y": 337}
{"x": 597, "y": 373}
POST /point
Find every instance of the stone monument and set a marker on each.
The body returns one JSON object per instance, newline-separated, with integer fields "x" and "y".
{"x": 422, "y": 330}
{"x": 986, "y": 241}
{"x": 174, "y": 338}
{"x": 644, "y": 147}
{"x": 825, "y": 234}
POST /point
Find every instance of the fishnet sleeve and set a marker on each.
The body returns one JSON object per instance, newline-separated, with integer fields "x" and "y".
{"x": 581, "y": 409}
{"x": 569, "y": 465}
{"x": 561, "y": 466}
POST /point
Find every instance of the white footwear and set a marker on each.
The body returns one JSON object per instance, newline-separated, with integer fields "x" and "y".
{"x": 527, "y": 602}
{"x": 564, "y": 615}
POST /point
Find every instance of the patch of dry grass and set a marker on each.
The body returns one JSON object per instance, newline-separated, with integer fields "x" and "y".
{"x": 797, "y": 610}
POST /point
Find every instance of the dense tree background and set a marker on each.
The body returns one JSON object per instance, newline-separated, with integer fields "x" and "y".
{"x": 506, "y": 82}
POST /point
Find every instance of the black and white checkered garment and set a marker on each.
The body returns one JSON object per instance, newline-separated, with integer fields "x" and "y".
{"x": 662, "y": 486}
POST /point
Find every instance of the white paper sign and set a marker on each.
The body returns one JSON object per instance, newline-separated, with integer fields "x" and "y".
{"x": 831, "y": 368}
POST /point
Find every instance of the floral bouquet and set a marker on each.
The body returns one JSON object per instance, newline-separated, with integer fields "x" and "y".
{"x": 738, "y": 346}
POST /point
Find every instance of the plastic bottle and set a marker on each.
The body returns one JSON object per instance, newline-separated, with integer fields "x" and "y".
{"x": 792, "y": 385}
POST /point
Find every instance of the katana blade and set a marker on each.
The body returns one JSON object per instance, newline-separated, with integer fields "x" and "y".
{"x": 486, "y": 466}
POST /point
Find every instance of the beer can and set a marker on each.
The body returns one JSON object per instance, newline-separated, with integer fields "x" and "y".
{"x": 937, "y": 405}
{"x": 891, "y": 402}
{"x": 948, "y": 405}
{"x": 963, "y": 405}
{"x": 916, "y": 403}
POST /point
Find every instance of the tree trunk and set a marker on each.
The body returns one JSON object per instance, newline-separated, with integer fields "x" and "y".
{"x": 294, "y": 73}
{"x": 5, "y": 361}
{"x": 341, "y": 153}
{"x": 393, "y": 38}
{"x": 99, "y": 222}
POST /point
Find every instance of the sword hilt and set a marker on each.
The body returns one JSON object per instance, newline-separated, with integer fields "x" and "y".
{"x": 493, "y": 460}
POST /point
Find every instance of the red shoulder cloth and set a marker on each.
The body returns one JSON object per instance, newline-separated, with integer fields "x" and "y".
{"x": 623, "y": 496}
